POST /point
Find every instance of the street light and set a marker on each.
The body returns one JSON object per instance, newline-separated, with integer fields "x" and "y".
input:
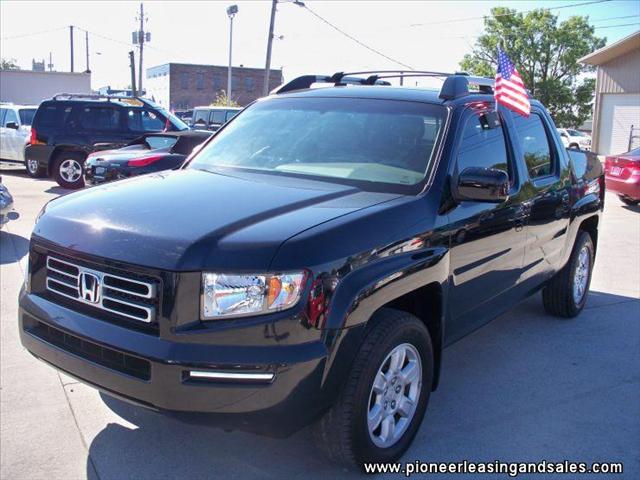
{"x": 231, "y": 12}
{"x": 267, "y": 67}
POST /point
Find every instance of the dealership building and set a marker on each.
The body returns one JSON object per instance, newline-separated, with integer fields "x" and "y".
{"x": 183, "y": 85}
{"x": 616, "y": 118}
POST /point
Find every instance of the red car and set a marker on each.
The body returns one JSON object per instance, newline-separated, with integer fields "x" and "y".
{"x": 622, "y": 174}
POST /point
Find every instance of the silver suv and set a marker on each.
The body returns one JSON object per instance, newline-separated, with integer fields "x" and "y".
{"x": 15, "y": 130}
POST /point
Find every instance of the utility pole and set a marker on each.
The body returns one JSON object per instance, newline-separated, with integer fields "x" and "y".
{"x": 141, "y": 40}
{"x": 267, "y": 67}
{"x": 71, "y": 44}
{"x": 86, "y": 43}
{"x": 132, "y": 66}
{"x": 50, "y": 63}
{"x": 231, "y": 12}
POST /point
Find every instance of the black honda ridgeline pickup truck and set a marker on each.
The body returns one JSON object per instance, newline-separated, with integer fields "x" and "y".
{"x": 310, "y": 263}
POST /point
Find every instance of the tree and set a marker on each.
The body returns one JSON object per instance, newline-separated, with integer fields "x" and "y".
{"x": 222, "y": 100}
{"x": 9, "y": 64}
{"x": 546, "y": 55}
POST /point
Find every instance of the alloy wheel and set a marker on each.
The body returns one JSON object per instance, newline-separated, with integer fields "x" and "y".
{"x": 70, "y": 170}
{"x": 394, "y": 395}
{"x": 581, "y": 275}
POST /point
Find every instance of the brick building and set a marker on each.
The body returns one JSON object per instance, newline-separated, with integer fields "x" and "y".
{"x": 184, "y": 85}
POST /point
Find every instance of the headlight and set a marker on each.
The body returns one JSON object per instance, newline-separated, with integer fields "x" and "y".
{"x": 225, "y": 295}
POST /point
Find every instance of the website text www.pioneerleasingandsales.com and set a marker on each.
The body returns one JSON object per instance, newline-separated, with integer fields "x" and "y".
{"x": 512, "y": 469}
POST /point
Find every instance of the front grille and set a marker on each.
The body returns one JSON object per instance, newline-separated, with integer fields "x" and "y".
{"x": 126, "y": 297}
{"x": 93, "y": 352}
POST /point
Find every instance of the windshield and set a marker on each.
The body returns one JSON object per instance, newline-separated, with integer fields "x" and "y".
{"x": 375, "y": 142}
{"x": 26, "y": 116}
{"x": 576, "y": 133}
{"x": 160, "y": 141}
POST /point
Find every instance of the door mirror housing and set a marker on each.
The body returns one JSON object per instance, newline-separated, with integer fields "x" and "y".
{"x": 13, "y": 125}
{"x": 483, "y": 185}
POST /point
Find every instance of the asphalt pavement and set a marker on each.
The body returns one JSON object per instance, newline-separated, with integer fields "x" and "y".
{"x": 526, "y": 387}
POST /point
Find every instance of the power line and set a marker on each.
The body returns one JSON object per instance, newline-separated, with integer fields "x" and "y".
{"x": 34, "y": 33}
{"x": 614, "y": 18}
{"x": 351, "y": 37}
{"x": 439, "y": 22}
{"x": 621, "y": 25}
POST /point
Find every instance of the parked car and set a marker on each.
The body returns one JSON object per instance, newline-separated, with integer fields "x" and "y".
{"x": 152, "y": 152}
{"x": 15, "y": 130}
{"x": 70, "y": 126}
{"x": 623, "y": 176}
{"x": 310, "y": 263}
{"x": 575, "y": 139}
{"x": 212, "y": 118}
{"x": 6, "y": 205}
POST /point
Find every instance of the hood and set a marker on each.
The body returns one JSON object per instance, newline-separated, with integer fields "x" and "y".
{"x": 190, "y": 220}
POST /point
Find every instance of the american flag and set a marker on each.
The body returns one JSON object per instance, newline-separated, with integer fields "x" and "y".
{"x": 509, "y": 88}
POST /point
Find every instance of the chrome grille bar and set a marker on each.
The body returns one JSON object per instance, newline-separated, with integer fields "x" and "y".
{"x": 120, "y": 295}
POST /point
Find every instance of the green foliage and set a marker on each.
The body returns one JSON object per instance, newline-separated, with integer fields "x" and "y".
{"x": 9, "y": 64}
{"x": 222, "y": 100}
{"x": 546, "y": 55}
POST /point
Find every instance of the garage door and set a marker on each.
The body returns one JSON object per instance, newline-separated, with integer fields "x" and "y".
{"x": 620, "y": 112}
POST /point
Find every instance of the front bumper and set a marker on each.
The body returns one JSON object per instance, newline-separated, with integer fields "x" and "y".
{"x": 154, "y": 372}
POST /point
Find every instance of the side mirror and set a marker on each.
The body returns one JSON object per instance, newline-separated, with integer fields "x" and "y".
{"x": 13, "y": 125}
{"x": 483, "y": 185}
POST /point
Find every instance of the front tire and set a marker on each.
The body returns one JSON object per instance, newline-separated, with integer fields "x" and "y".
{"x": 382, "y": 404}
{"x": 566, "y": 294}
{"x": 68, "y": 170}
{"x": 34, "y": 170}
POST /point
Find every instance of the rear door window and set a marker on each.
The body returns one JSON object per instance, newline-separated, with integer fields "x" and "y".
{"x": 217, "y": 117}
{"x": 200, "y": 117}
{"x": 26, "y": 115}
{"x": 100, "y": 118}
{"x": 536, "y": 145}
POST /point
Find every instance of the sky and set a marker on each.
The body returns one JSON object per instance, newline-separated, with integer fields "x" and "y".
{"x": 428, "y": 35}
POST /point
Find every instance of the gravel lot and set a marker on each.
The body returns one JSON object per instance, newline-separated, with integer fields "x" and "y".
{"x": 526, "y": 387}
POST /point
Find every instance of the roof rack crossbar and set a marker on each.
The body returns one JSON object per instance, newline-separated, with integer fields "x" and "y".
{"x": 455, "y": 84}
{"x": 94, "y": 96}
{"x": 338, "y": 79}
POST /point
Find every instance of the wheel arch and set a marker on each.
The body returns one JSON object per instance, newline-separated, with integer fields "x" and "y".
{"x": 415, "y": 283}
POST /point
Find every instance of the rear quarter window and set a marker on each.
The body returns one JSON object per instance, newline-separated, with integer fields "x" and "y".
{"x": 50, "y": 116}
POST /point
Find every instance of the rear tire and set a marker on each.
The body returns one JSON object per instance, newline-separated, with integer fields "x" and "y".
{"x": 566, "y": 293}
{"x": 373, "y": 400}
{"x": 575, "y": 145}
{"x": 34, "y": 170}
{"x": 68, "y": 170}
{"x": 628, "y": 201}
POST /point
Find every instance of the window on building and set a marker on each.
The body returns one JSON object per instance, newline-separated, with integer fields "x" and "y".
{"x": 248, "y": 83}
{"x": 184, "y": 80}
{"x": 217, "y": 82}
{"x": 200, "y": 81}
{"x": 536, "y": 146}
{"x": 482, "y": 145}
